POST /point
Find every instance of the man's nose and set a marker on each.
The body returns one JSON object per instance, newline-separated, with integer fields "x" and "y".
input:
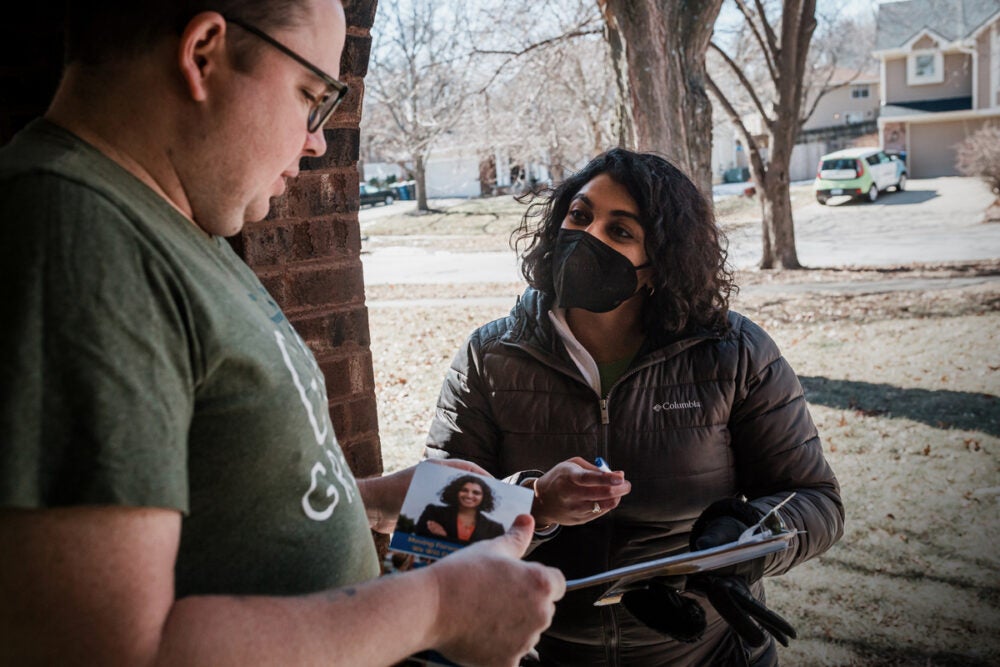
{"x": 315, "y": 145}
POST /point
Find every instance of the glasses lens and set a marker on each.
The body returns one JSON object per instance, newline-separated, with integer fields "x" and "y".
{"x": 321, "y": 113}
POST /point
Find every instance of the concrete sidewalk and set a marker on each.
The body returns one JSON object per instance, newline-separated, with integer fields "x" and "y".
{"x": 933, "y": 221}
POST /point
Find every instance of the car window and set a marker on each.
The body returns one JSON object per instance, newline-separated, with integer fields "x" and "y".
{"x": 883, "y": 158}
{"x": 872, "y": 159}
{"x": 839, "y": 163}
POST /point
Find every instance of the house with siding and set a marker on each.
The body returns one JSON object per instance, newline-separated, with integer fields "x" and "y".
{"x": 940, "y": 78}
{"x": 851, "y": 98}
{"x": 844, "y": 116}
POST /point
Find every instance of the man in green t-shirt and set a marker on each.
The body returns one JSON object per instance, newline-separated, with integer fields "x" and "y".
{"x": 171, "y": 489}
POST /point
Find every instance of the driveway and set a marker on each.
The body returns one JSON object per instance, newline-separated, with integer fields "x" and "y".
{"x": 934, "y": 220}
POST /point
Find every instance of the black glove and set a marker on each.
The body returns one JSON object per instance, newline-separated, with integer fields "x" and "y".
{"x": 660, "y": 606}
{"x": 728, "y": 588}
{"x": 723, "y": 522}
{"x": 736, "y": 604}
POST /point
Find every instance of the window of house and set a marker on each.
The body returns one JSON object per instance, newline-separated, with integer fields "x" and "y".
{"x": 859, "y": 91}
{"x": 925, "y": 67}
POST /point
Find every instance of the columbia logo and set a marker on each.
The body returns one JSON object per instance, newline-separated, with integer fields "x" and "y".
{"x": 686, "y": 405}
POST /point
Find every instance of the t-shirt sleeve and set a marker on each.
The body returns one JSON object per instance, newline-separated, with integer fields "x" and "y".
{"x": 96, "y": 354}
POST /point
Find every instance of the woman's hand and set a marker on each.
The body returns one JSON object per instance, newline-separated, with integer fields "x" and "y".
{"x": 576, "y": 491}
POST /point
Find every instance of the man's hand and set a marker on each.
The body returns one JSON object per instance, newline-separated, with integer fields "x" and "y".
{"x": 570, "y": 492}
{"x": 491, "y": 606}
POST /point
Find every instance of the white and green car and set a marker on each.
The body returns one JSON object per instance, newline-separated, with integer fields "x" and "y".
{"x": 861, "y": 173}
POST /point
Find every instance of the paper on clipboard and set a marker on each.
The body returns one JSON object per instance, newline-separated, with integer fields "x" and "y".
{"x": 623, "y": 578}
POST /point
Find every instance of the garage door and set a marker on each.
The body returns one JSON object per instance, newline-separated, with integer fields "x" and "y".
{"x": 932, "y": 147}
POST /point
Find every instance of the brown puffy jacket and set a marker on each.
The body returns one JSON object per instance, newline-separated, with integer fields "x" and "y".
{"x": 692, "y": 421}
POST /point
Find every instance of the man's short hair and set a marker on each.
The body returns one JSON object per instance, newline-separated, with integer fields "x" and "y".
{"x": 101, "y": 32}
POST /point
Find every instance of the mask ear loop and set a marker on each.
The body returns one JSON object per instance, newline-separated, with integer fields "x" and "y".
{"x": 651, "y": 288}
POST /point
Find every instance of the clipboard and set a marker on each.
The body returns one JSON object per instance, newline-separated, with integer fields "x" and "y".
{"x": 624, "y": 579}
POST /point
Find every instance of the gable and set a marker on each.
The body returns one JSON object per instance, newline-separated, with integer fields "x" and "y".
{"x": 925, "y": 42}
{"x": 899, "y": 24}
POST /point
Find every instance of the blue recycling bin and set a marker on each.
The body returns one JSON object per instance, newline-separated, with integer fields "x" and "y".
{"x": 400, "y": 190}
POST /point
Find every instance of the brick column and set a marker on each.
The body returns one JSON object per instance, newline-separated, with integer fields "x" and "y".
{"x": 308, "y": 255}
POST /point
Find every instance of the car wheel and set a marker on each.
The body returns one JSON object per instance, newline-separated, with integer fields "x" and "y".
{"x": 388, "y": 200}
{"x": 821, "y": 199}
{"x": 872, "y": 193}
{"x": 902, "y": 183}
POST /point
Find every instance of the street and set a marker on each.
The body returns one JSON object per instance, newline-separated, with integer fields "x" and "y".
{"x": 934, "y": 220}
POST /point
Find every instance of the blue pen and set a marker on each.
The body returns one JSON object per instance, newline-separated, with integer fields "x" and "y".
{"x": 602, "y": 464}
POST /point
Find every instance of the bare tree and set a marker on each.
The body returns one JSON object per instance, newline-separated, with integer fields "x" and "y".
{"x": 418, "y": 81}
{"x": 534, "y": 88}
{"x": 979, "y": 155}
{"x": 785, "y": 51}
{"x": 842, "y": 45}
{"x": 658, "y": 49}
{"x": 549, "y": 97}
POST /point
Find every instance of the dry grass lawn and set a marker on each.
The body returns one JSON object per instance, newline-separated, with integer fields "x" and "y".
{"x": 905, "y": 389}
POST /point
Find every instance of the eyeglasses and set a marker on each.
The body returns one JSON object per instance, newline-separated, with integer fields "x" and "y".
{"x": 323, "y": 108}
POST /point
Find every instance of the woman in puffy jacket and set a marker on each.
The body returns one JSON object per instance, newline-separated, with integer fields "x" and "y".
{"x": 623, "y": 347}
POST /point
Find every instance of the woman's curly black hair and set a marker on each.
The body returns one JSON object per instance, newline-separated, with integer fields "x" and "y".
{"x": 449, "y": 494}
{"x": 686, "y": 248}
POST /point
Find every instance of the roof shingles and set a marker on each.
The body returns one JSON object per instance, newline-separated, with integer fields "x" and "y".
{"x": 899, "y": 22}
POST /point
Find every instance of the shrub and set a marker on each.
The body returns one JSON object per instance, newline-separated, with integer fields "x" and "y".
{"x": 979, "y": 155}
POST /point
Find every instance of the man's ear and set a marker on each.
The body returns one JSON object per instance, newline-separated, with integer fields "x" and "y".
{"x": 201, "y": 49}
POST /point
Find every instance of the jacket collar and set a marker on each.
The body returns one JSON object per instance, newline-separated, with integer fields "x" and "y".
{"x": 529, "y": 321}
{"x": 531, "y": 329}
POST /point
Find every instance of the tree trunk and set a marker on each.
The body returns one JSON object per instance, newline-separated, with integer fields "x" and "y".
{"x": 778, "y": 225}
{"x": 786, "y": 57}
{"x": 798, "y": 21}
{"x": 420, "y": 176}
{"x": 664, "y": 43}
{"x": 624, "y": 127}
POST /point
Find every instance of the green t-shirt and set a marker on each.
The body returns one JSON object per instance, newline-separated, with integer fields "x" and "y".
{"x": 611, "y": 371}
{"x": 142, "y": 363}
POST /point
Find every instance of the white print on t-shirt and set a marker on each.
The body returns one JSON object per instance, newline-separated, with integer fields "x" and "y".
{"x": 313, "y": 400}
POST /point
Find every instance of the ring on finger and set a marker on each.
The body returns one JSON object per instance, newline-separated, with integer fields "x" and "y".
{"x": 597, "y": 508}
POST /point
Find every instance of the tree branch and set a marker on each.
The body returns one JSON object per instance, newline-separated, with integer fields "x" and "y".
{"x": 772, "y": 39}
{"x": 744, "y": 81}
{"x": 767, "y": 47}
{"x": 538, "y": 45}
{"x": 752, "y": 148}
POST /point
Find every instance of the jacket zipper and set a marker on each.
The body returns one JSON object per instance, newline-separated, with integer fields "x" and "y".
{"x": 603, "y": 406}
{"x": 605, "y": 452}
{"x": 612, "y": 616}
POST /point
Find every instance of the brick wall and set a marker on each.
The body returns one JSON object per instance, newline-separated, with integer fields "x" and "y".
{"x": 308, "y": 255}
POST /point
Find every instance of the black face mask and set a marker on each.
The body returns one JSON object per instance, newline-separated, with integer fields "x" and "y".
{"x": 589, "y": 274}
